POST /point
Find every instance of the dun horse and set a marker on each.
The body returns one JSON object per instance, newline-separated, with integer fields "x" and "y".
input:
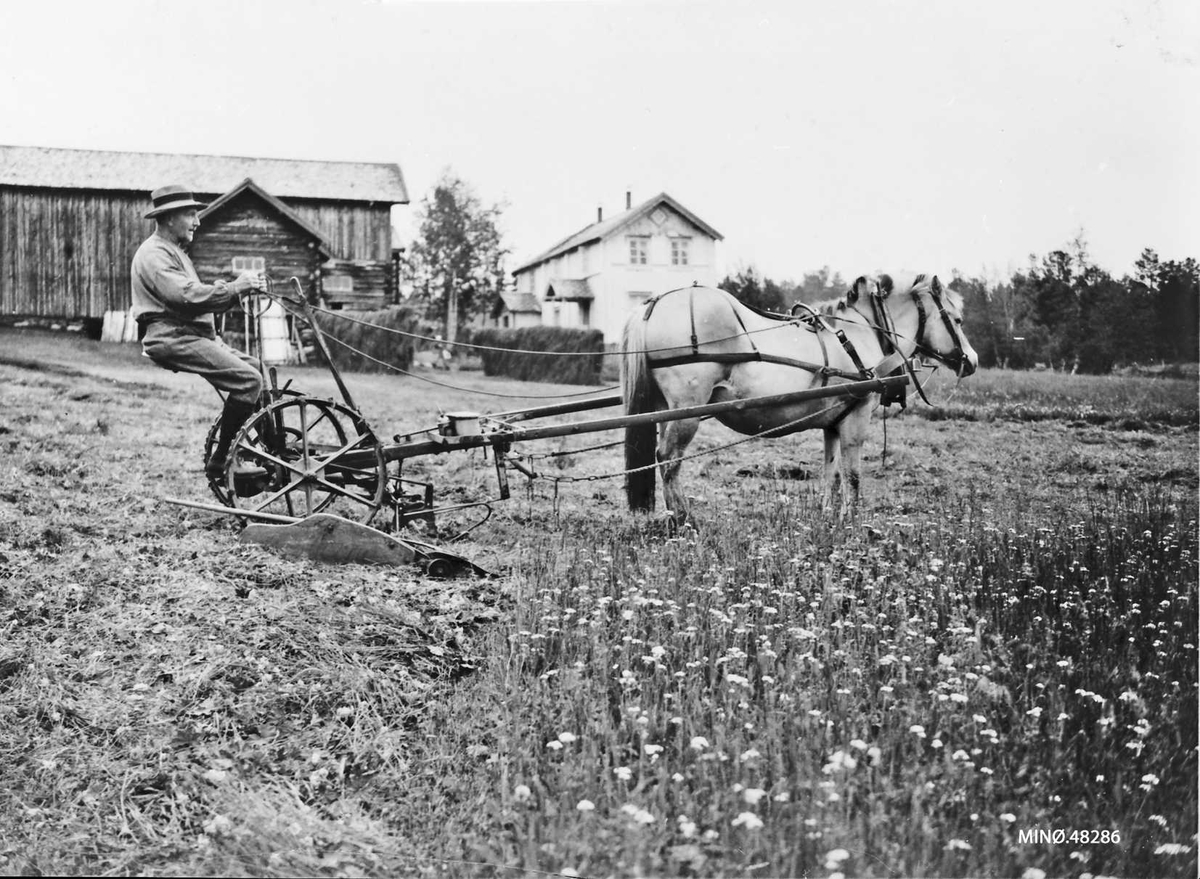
{"x": 699, "y": 345}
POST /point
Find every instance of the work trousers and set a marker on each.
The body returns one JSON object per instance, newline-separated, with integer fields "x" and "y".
{"x": 183, "y": 349}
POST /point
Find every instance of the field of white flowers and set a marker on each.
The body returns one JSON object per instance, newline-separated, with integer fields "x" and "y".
{"x": 991, "y": 670}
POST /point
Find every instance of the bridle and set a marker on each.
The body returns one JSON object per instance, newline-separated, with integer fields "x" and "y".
{"x": 957, "y": 356}
{"x": 887, "y": 333}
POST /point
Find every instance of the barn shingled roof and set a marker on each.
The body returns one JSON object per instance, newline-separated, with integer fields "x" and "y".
{"x": 56, "y": 168}
{"x": 604, "y": 228}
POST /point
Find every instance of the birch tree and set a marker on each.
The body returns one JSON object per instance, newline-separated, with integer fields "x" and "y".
{"x": 456, "y": 262}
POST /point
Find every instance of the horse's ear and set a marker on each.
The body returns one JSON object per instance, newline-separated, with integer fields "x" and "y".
{"x": 936, "y": 286}
{"x": 860, "y": 286}
{"x": 886, "y": 285}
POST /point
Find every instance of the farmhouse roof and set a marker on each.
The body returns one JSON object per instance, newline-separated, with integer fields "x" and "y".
{"x": 605, "y": 228}
{"x": 56, "y": 168}
{"x": 520, "y": 302}
{"x": 274, "y": 204}
{"x": 570, "y": 289}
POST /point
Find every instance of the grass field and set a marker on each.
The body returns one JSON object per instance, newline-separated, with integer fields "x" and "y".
{"x": 1001, "y": 644}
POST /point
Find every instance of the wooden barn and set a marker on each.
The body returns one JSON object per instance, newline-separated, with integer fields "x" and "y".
{"x": 70, "y": 221}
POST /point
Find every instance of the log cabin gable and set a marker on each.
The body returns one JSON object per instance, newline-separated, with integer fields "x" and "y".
{"x": 246, "y": 192}
{"x": 249, "y": 229}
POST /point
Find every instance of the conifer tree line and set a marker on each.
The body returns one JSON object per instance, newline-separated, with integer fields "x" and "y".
{"x": 1063, "y": 312}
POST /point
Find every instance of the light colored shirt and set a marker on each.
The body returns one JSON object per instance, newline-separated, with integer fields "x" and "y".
{"x": 165, "y": 283}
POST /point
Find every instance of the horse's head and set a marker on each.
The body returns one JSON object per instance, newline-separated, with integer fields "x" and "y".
{"x": 938, "y": 311}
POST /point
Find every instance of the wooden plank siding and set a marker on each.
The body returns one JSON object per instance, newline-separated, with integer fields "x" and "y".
{"x": 66, "y": 253}
{"x": 354, "y": 231}
{"x": 245, "y": 227}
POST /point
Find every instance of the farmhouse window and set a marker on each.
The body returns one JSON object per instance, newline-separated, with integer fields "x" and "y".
{"x": 679, "y": 251}
{"x": 339, "y": 284}
{"x": 249, "y": 264}
{"x": 638, "y": 245}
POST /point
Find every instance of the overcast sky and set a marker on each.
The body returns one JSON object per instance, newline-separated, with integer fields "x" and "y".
{"x": 865, "y": 134}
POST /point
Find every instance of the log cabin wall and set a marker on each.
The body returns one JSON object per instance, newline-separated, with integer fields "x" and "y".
{"x": 368, "y": 279}
{"x": 246, "y": 227}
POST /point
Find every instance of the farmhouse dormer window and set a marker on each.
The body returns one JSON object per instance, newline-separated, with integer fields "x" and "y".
{"x": 679, "y": 251}
{"x": 638, "y": 247}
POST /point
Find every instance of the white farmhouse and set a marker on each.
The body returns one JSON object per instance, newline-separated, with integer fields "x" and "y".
{"x": 594, "y": 277}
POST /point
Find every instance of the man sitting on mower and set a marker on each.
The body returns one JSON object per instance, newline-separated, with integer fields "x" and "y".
{"x": 174, "y": 313}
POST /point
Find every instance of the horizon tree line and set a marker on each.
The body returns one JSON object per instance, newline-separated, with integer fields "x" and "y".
{"x": 1063, "y": 311}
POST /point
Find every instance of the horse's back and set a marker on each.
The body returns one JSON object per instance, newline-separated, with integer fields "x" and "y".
{"x": 697, "y": 317}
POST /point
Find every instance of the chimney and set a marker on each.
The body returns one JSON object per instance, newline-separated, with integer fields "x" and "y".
{"x": 599, "y": 215}
{"x": 628, "y": 200}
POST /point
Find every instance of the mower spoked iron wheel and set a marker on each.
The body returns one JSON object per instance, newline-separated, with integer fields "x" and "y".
{"x": 299, "y": 456}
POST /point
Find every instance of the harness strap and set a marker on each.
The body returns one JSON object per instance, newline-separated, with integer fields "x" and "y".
{"x": 649, "y": 305}
{"x": 825, "y": 371}
{"x": 745, "y": 332}
{"x": 854, "y": 358}
{"x": 818, "y": 323}
{"x": 921, "y": 391}
{"x": 920, "y": 335}
{"x": 824, "y": 356}
{"x": 916, "y": 297}
{"x": 692, "y": 315}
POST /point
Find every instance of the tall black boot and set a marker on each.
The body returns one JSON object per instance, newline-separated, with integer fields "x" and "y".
{"x": 232, "y": 419}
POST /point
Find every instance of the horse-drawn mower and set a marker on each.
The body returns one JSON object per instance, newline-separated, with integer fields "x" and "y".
{"x": 302, "y": 459}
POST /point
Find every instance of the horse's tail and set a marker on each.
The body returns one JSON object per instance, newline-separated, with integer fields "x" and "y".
{"x": 640, "y": 395}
